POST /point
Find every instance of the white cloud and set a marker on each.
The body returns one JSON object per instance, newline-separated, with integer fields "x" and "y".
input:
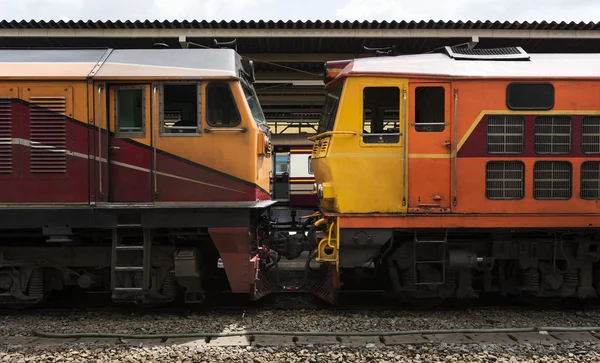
{"x": 133, "y": 9}
{"x": 511, "y": 10}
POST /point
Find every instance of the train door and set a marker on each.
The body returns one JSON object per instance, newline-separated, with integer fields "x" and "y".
{"x": 130, "y": 147}
{"x": 281, "y": 176}
{"x": 430, "y": 146}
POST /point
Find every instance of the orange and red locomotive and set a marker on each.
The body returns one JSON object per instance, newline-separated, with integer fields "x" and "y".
{"x": 131, "y": 171}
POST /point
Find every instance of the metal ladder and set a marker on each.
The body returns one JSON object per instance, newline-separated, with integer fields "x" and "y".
{"x": 438, "y": 260}
{"x": 119, "y": 249}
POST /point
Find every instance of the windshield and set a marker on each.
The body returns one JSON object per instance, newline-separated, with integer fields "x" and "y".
{"x": 332, "y": 99}
{"x": 254, "y": 105}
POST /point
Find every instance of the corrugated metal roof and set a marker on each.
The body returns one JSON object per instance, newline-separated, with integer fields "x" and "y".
{"x": 203, "y": 24}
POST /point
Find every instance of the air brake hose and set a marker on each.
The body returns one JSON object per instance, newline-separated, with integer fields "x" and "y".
{"x": 313, "y": 333}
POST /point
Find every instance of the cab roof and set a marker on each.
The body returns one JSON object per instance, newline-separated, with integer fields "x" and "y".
{"x": 120, "y": 64}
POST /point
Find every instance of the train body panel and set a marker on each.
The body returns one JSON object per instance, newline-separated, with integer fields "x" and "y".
{"x": 462, "y": 172}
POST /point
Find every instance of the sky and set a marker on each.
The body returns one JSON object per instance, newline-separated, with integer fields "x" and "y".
{"x": 502, "y": 10}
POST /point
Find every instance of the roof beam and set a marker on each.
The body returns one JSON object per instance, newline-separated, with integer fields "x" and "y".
{"x": 303, "y": 33}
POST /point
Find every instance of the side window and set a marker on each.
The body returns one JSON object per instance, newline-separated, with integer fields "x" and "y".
{"x": 310, "y": 168}
{"x": 282, "y": 163}
{"x": 130, "y": 111}
{"x": 221, "y": 109}
{"x": 530, "y": 96}
{"x": 381, "y": 115}
{"x": 180, "y": 109}
{"x": 430, "y": 109}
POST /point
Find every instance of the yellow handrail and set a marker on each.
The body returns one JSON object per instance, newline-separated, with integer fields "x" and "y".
{"x": 330, "y": 133}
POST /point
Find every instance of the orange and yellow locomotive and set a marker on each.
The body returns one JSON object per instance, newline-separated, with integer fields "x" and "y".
{"x": 459, "y": 172}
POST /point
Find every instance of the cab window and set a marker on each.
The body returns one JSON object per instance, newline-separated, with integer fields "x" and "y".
{"x": 180, "y": 109}
{"x": 330, "y": 107}
{"x": 430, "y": 109}
{"x": 381, "y": 115}
{"x": 130, "y": 111}
{"x": 221, "y": 109}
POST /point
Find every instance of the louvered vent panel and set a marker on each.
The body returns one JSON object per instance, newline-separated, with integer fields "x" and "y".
{"x": 590, "y": 180}
{"x": 590, "y": 134}
{"x": 552, "y": 180}
{"x": 505, "y": 134}
{"x": 505, "y": 180}
{"x": 552, "y": 135}
{"x": 6, "y": 154}
{"x": 324, "y": 145}
{"x": 48, "y": 135}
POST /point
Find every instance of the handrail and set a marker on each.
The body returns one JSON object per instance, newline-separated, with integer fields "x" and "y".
{"x": 156, "y": 126}
{"x": 404, "y": 146}
{"x": 383, "y": 134}
{"x": 211, "y": 129}
{"x": 98, "y": 119}
{"x": 428, "y": 123}
{"x": 330, "y": 133}
{"x": 455, "y": 158}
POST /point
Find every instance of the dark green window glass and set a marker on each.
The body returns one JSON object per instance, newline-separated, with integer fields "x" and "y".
{"x": 130, "y": 110}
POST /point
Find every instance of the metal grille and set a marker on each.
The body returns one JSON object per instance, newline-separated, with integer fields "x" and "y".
{"x": 590, "y": 134}
{"x": 552, "y": 134}
{"x": 508, "y": 53}
{"x": 505, "y": 134}
{"x": 590, "y": 180}
{"x": 48, "y": 134}
{"x": 552, "y": 180}
{"x": 505, "y": 180}
{"x": 6, "y": 153}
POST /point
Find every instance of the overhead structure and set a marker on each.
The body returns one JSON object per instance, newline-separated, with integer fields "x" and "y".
{"x": 289, "y": 55}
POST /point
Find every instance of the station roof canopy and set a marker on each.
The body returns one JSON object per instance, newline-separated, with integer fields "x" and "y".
{"x": 289, "y": 55}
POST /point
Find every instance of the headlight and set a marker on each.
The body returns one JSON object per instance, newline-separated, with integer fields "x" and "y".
{"x": 320, "y": 191}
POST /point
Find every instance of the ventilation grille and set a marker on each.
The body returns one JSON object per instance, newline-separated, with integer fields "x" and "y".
{"x": 6, "y": 157}
{"x": 552, "y": 180}
{"x": 552, "y": 135}
{"x": 505, "y": 134}
{"x": 48, "y": 134}
{"x": 590, "y": 180}
{"x": 324, "y": 145}
{"x": 508, "y": 53}
{"x": 505, "y": 180}
{"x": 590, "y": 135}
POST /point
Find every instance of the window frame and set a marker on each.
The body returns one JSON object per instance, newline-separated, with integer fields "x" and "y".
{"x": 399, "y": 134}
{"x": 445, "y": 124}
{"x": 329, "y": 124}
{"x": 508, "y": 105}
{"x": 310, "y": 169}
{"x": 161, "y": 102}
{"x": 237, "y": 106}
{"x": 570, "y": 179}
{"x": 523, "y": 180}
{"x": 129, "y": 134}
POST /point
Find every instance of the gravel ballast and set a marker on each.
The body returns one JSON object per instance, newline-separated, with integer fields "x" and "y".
{"x": 564, "y": 352}
{"x": 153, "y": 322}
{"x": 23, "y": 323}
